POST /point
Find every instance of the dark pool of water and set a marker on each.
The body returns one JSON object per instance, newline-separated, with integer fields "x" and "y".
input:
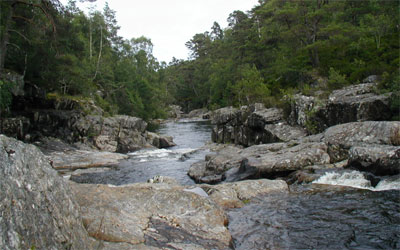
{"x": 319, "y": 217}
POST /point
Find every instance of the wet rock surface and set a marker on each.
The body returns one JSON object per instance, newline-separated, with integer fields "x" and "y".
{"x": 153, "y": 214}
{"x": 370, "y": 145}
{"x": 238, "y": 194}
{"x": 38, "y": 210}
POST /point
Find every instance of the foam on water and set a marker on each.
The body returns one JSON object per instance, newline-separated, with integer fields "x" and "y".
{"x": 145, "y": 155}
{"x": 357, "y": 179}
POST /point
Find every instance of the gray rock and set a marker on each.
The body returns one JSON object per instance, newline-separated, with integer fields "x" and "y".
{"x": 81, "y": 159}
{"x": 252, "y": 125}
{"x": 37, "y": 208}
{"x": 17, "y": 81}
{"x": 197, "y": 113}
{"x": 225, "y": 115}
{"x": 17, "y": 127}
{"x": 267, "y": 160}
{"x": 260, "y": 118}
{"x": 377, "y": 159}
{"x": 282, "y": 132}
{"x": 301, "y": 106}
{"x": 349, "y": 104}
{"x": 341, "y": 138}
{"x": 154, "y": 215}
{"x": 175, "y": 111}
{"x": 290, "y": 159}
{"x": 357, "y": 103}
{"x": 105, "y": 143}
{"x": 160, "y": 141}
{"x": 235, "y": 195}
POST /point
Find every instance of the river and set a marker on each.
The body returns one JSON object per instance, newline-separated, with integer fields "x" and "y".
{"x": 345, "y": 214}
{"x": 189, "y": 135}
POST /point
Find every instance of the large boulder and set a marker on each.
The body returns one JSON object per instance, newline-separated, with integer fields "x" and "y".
{"x": 341, "y": 138}
{"x": 38, "y": 210}
{"x": 289, "y": 159}
{"x": 252, "y": 125}
{"x": 266, "y": 160}
{"x": 378, "y": 159}
{"x": 197, "y": 113}
{"x": 237, "y": 194}
{"x": 357, "y": 103}
{"x": 349, "y": 104}
{"x": 152, "y": 214}
{"x": 159, "y": 141}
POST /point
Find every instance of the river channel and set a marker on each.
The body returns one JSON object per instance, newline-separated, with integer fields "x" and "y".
{"x": 346, "y": 214}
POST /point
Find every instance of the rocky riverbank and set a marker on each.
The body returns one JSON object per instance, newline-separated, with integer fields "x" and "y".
{"x": 354, "y": 135}
{"x": 40, "y": 209}
{"x": 263, "y": 152}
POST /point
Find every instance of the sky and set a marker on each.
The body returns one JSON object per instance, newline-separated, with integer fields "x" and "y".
{"x": 170, "y": 23}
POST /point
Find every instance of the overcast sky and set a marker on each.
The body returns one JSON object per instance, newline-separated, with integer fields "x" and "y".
{"x": 170, "y": 23}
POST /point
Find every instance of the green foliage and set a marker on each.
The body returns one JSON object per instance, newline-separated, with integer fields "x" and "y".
{"x": 84, "y": 56}
{"x": 336, "y": 80}
{"x": 284, "y": 45}
{"x": 278, "y": 46}
{"x": 5, "y": 95}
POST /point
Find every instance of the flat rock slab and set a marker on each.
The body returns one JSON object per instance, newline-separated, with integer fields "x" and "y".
{"x": 341, "y": 138}
{"x": 153, "y": 214}
{"x": 238, "y": 194}
{"x": 81, "y": 159}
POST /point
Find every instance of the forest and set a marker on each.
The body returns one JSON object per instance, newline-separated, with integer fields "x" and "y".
{"x": 278, "y": 48}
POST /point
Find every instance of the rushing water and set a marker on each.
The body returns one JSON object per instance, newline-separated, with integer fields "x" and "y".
{"x": 189, "y": 135}
{"x": 340, "y": 210}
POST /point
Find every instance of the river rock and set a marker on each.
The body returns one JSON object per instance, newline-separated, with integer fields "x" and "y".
{"x": 175, "y": 111}
{"x": 197, "y": 113}
{"x": 341, "y": 138}
{"x": 357, "y": 103}
{"x": 159, "y": 141}
{"x": 289, "y": 159}
{"x": 350, "y": 104}
{"x": 65, "y": 157}
{"x": 266, "y": 160}
{"x": 152, "y": 214}
{"x": 237, "y": 194}
{"x": 252, "y": 125}
{"x": 37, "y": 208}
{"x": 17, "y": 127}
{"x": 378, "y": 159}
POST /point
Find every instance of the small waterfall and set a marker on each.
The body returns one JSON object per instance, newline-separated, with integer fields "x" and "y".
{"x": 357, "y": 179}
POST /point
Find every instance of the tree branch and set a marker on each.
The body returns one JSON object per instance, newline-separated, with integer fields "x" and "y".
{"x": 42, "y": 9}
{"x": 19, "y": 33}
{"x": 24, "y": 18}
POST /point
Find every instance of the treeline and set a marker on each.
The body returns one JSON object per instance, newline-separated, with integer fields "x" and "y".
{"x": 68, "y": 53}
{"x": 281, "y": 46}
{"x": 278, "y": 47}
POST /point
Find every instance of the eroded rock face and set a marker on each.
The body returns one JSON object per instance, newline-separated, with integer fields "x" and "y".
{"x": 252, "y": 125}
{"x": 37, "y": 208}
{"x": 350, "y": 104}
{"x": 153, "y": 214}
